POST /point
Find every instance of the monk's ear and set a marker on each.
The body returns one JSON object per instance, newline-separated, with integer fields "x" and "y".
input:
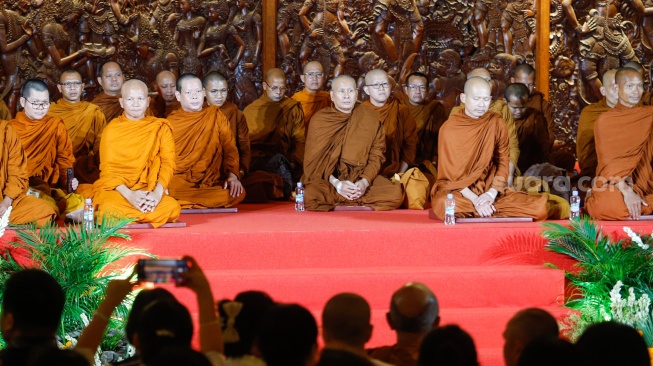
{"x": 178, "y": 96}
{"x": 59, "y": 87}
{"x": 462, "y": 97}
{"x": 303, "y": 78}
{"x": 22, "y": 102}
{"x": 603, "y": 91}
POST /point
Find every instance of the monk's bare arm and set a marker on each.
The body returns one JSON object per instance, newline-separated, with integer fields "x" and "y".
{"x": 632, "y": 200}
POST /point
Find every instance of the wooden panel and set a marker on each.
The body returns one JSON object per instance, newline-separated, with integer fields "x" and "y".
{"x": 543, "y": 30}
{"x": 269, "y": 35}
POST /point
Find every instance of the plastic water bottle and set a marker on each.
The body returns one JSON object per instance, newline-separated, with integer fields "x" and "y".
{"x": 450, "y": 210}
{"x": 574, "y": 203}
{"x": 88, "y": 215}
{"x": 299, "y": 197}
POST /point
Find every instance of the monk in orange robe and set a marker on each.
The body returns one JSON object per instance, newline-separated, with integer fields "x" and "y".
{"x": 165, "y": 101}
{"x": 312, "y": 97}
{"x": 585, "y": 146}
{"x": 276, "y": 132}
{"x": 498, "y": 106}
{"x": 525, "y": 74}
{"x": 111, "y": 80}
{"x": 48, "y": 148}
{"x": 217, "y": 92}
{"x": 623, "y": 187}
{"x": 84, "y": 122}
{"x": 138, "y": 162}
{"x": 207, "y": 159}
{"x": 5, "y": 114}
{"x": 344, "y": 154}
{"x": 398, "y": 123}
{"x": 14, "y": 183}
{"x": 473, "y": 163}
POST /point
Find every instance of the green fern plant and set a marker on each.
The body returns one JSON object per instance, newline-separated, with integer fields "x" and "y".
{"x": 83, "y": 263}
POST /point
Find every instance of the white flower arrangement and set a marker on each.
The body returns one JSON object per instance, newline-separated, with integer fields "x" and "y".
{"x": 635, "y": 238}
{"x": 4, "y": 221}
{"x": 632, "y": 311}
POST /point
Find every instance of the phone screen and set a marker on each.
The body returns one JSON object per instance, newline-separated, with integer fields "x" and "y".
{"x": 162, "y": 270}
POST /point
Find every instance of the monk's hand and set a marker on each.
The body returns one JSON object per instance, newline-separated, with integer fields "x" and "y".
{"x": 634, "y": 204}
{"x": 346, "y": 189}
{"x": 152, "y": 199}
{"x": 74, "y": 184}
{"x": 235, "y": 186}
{"x": 135, "y": 198}
{"x": 4, "y": 205}
{"x": 362, "y": 185}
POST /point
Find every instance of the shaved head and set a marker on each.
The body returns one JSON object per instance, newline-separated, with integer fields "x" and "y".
{"x": 275, "y": 85}
{"x": 312, "y": 65}
{"x": 378, "y": 86}
{"x": 630, "y": 86}
{"x": 635, "y": 66}
{"x": 480, "y": 72}
{"x": 213, "y": 76}
{"x": 526, "y": 326}
{"x": 344, "y": 93}
{"x": 216, "y": 88}
{"x": 134, "y": 99}
{"x": 346, "y": 318}
{"x": 477, "y": 97}
{"x": 133, "y": 84}
{"x": 608, "y": 89}
{"x": 71, "y": 86}
{"x": 516, "y": 95}
{"x": 524, "y": 74}
{"x": 110, "y": 77}
{"x": 69, "y": 72}
{"x": 476, "y": 82}
{"x": 275, "y": 73}
{"x": 524, "y": 68}
{"x": 313, "y": 77}
{"x": 516, "y": 90}
{"x": 165, "y": 84}
{"x": 413, "y": 309}
{"x": 375, "y": 74}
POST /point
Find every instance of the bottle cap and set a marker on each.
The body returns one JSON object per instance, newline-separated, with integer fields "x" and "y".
{"x": 574, "y": 193}
{"x": 299, "y": 184}
{"x": 449, "y": 196}
{"x": 88, "y": 200}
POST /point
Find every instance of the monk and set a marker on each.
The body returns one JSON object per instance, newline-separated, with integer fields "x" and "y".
{"x": 138, "y": 162}
{"x": 344, "y": 154}
{"x": 498, "y": 106}
{"x": 585, "y": 148}
{"x": 207, "y": 158}
{"x": 217, "y": 93}
{"x": 84, "y": 122}
{"x": 14, "y": 183}
{"x": 48, "y": 149}
{"x": 312, "y": 97}
{"x": 525, "y": 74}
{"x": 5, "y": 114}
{"x": 429, "y": 117}
{"x": 531, "y": 126}
{"x": 165, "y": 101}
{"x": 276, "y": 132}
{"x": 398, "y": 123}
{"x": 111, "y": 80}
{"x": 623, "y": 187}
{"x": 473, "y": 158}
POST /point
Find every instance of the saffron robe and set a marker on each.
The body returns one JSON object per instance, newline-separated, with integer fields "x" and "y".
{"x": 400, "y": 135}
{"x": 138, "y": 154}
{"x": 312, "y": 103}
{"x": 85, "y": 123}
{"x": 160, "y": 109}
{"x": 429, "y": 117}
{"x": 5, "y": 114}
{"x": 585, "y": 145}
{"x": 206, "y": 154}
{"x": 537, "y": 102}
{"x": 473, "y": 153}
{"x": 534, "y": 145}
{"x": 624, "y": 148}
{"x": 14, "y": 181}
{"x": 349, "y": 147}
{"x": 240, "y": 132}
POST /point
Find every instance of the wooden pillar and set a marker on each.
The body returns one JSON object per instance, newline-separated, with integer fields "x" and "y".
{"x": 270, "y": 35}
{"x": 543, "y": 31}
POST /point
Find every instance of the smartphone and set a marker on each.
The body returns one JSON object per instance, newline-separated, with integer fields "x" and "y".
{"x": 162, "y": 270}
{"x": 71, "y": 175}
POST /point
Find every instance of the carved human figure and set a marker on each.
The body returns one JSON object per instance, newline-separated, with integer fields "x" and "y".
{"x": 501, "y": 68}
{"x": 154, "y": 54}
{"x": 250, "y": 27}
{"x": 487, "y": 22}
{"x": 401, "y": 12}
{"x": 287, "y": 22}
{"x": 323, "y": 31}
{"x": 518, "y": 27}
{"x": 212, "y": 49}
{"x": 188, "y": 30}
{"x": 449, "y": 81}
{"x": 98, "y": 26}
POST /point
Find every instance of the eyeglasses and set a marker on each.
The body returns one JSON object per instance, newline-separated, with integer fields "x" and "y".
{"x": 71, "y": 84}
{"x": 276, "y": 88}
{"x": 417, "y": 87}
{"x": 314, "y": 74}
{"x": 39, "y": 105}
{"x": 380, "y": 85}
{"x": 218, "y": 91}
{"x": 140, "y": 100}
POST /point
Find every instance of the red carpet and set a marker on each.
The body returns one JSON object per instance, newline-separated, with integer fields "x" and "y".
{"x": 481, "y": 273}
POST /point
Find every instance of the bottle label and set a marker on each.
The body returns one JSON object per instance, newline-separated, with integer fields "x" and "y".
{"x": 575, "y": 207}
{"x": 449, "y": 211}
{"x": 88, "y": 215}
{"x": 299, "y": 198}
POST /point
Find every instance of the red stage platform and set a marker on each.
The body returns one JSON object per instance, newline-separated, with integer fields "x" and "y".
{"x": 482, "y": 273}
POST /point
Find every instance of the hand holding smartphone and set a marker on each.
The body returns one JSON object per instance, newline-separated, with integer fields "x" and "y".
{"x": 162, "y": 271}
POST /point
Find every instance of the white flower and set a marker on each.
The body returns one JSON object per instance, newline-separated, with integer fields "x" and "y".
{"x": 4, "y": 221}
{"x": 635, "y": 238}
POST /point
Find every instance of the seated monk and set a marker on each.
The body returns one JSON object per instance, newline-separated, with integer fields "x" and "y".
{"x": 623, "y": 187}
{"x": 585, "y": 148}
{"x": 110, "y": 79}
{"x": 473, "y": 163}
{"x": 312, "y": 97}
{"x": 498, "y": 106}
{"x": 138, "y": 162}
{"x": 344, "y": 154}
{"x": 398, "y": 123}
{"x": 525, "y": 74}
{"x": 48, "y": 150}
{"x": 206, "y": 173}
{"x": 14, "y": 183}
{"x": 276, "y": 134}
{"x": 534, "y": 145}
{"x": 84, "y": 122}
{"x": 429, "y": 117}
{"x": 165, "y": 101}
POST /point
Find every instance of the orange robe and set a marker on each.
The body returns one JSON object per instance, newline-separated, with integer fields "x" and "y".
{"x": 138, "y": 154}
{"x": 5, "y": 114}
{"x": 85, "y": 123}
{"x": 312, "y": 103}
{"x": 624, "y": 147}
{"x": 473, "y": 153}
{"x": 240, "y": 132}
{"x": 538, "y": 103}
{"x": 14, "y": 181}
{"x": 429, "y": 117}
{"x": 500, "y": 107}
{"x": 585, "y": 147}
{"x": 160, "y": 109}
{"x": 48, "y": 149}
{"x": 206, "y": 154}
{"x": 534, "y": 145}
{"x": 400, "y": 135}
{"x": 647, "y": 98}
{"x": 349, "y": 147}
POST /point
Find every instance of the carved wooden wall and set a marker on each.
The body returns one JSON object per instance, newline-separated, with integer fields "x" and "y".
{"x": 242, "y": 38}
